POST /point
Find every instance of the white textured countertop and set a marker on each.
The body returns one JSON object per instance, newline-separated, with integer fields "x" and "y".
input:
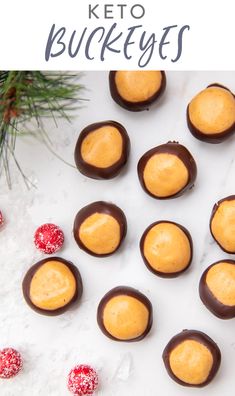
{"x": 51, "y": 346}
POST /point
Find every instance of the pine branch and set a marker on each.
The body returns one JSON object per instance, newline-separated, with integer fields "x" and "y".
{"x": 33, "y": 95}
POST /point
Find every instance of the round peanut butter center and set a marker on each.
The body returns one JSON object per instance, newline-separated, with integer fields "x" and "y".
{"x": 100, "y": 233}
{"x": 102, "y": 147}
{"x": 221, "y": 281}
{"x": 212, "y": 110}
{"x": 165, "y": 175}
{"x": 125, "y": 317}
{"x": 53, "y": 286}
{"x": 191, "y": 362}
{"x": 138, "y": 86}
{"x": 167, "y": 248}
{"x": 223, "y": 225}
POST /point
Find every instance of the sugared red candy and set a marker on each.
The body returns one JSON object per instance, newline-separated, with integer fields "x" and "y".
{"x": 82, "y": 380}
{"x": 10, "y": 363}
{"x": 1, "y": 219}
{"x": 48, "y": 238}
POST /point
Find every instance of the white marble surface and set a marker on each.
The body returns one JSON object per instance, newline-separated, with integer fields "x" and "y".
{"x": 52, "y": 345}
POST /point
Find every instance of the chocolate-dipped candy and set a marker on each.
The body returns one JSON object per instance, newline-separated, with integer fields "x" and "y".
{"x": 125, "y": 314}
{"x": 167, "y": 171}
{"x": 211, "y": 114}
{"x": 99, "y": 228}
{"x": 102, "y": 150}
{"x": 166, "y": 248}
{"x": 192, "y": 358}
{"x": 217, "y": 289}
{"x": 136, "y": 90}
{"x": 52, "y": 285}
{"x": 222, "y": 223}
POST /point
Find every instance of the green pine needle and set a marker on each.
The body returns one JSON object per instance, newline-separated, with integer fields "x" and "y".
{"x": 32, "y": 95}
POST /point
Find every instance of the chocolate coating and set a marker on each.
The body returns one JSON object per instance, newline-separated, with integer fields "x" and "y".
{"x": 99, "y": 207}
{"x": 29, "y": 276}
{"x": 210, "y": 301}
{"x": 134, "y": 106}
{"x": 179, "y": 151}
{"x": 154, "y": 271}
{"x": 201, "y": 338}
{"x": 214, "y": 210}
{"x": 129, "y": 291}
{"x": 96, "y": 172}
{"x": 212, "y": 138}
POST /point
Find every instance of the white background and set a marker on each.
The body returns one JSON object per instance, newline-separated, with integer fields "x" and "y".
{"x": 25, "y": 26}
{"x": 51, "y": 346}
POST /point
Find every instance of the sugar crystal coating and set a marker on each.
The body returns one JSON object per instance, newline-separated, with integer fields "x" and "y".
{"x": 10, "y": 363}
{"x": 82, "y": 380}
{"x": 48, "y": 238}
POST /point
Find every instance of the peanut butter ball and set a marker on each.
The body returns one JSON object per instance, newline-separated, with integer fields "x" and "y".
{"x": 167, "y": 171}
{"x": 99, "y": 228}
{"x": 211, "y": 114}
{"x": 166, "y": 248}
{"x": 52, "y": 285}
{"x": 102, "y": 150}
{"x": 217, "y": 288}
{"x": 136, "y": 90}
{"x": 125, "y": 314}
{"x": 192, "y": 358}
{"x": 222, "y": 223}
